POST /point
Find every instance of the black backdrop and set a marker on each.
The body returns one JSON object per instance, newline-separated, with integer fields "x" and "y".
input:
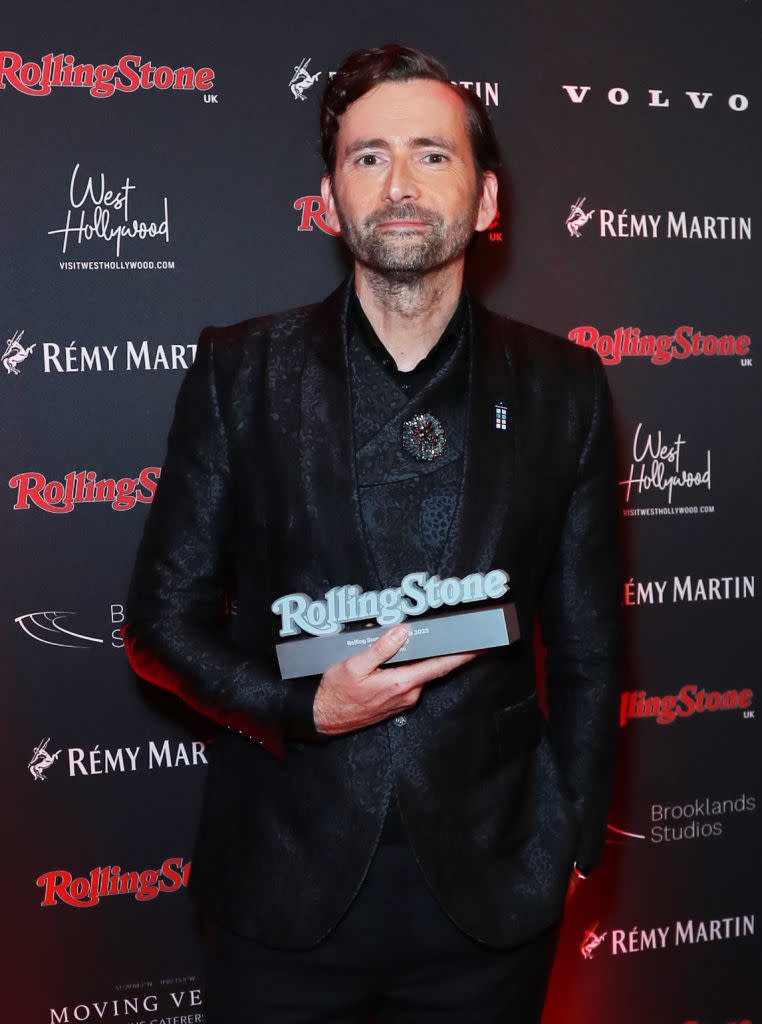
{"x": 642, "y": 115}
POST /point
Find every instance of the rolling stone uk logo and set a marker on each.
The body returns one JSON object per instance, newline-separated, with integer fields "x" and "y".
{"x": 129, "y": 74}
{"x": 84, "y": 488}
{"x": 689, "y": 701}
{"x": 61, "y": 886}
{"x": 682, "y": 343}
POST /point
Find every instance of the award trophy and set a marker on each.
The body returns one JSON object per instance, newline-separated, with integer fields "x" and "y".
{"x": 475, "y": 629}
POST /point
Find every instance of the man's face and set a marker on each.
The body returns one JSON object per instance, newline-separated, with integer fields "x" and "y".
{"x": 405, "y": 192}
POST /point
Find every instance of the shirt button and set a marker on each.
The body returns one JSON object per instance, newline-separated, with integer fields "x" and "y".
{"x": 400, "y": 720}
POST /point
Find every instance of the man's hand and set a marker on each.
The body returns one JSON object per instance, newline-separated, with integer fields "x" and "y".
{"x": 356, "y": 692}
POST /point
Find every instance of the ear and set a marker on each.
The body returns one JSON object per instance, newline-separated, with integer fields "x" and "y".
{"x": 488, "y": 201}
{"x": 329, "y": 213}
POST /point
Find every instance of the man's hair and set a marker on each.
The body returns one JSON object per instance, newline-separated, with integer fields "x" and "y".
{"x": 363, "y": 70}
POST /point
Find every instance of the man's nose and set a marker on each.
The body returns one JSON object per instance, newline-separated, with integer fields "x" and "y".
{"x": 401, "y": 183}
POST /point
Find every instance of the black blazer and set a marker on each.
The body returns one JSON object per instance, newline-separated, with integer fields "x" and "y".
{"x": 257, "y": 499}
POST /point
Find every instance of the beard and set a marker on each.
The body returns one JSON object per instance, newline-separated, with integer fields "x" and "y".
{"x": 401, "y": 252}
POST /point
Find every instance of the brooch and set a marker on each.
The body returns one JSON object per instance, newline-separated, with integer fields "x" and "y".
{"x": 423, "y": 437}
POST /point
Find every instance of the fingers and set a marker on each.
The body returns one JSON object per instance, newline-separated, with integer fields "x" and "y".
{"x": 383, "y": 648}
{"x": 419, "y": 672}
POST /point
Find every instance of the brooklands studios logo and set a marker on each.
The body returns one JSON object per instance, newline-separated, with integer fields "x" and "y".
{"x": 130, "y": 74}
{"x": 704, "y": 817}
{"x": 641, "y": 225}
{"x": 83, "y": 488}
{"x": 53, "y": 628}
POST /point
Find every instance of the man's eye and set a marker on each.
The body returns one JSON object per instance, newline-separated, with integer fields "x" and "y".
{"x": 368, "y": 160}
{"x": 435, "y": 158}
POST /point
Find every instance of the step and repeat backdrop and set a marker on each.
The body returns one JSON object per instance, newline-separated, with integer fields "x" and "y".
{"x": 159, "y": 172}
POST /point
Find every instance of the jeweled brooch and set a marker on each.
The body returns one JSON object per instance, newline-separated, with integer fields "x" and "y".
{"x": 423, "y": 437}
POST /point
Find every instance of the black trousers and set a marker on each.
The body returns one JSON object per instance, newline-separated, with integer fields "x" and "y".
{"x": 394, "y": 958}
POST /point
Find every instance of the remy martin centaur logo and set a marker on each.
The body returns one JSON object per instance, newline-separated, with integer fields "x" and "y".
{"x": 417, "y": 594}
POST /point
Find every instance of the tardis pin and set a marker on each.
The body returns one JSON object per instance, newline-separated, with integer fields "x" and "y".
{"x": 501, "y": 416}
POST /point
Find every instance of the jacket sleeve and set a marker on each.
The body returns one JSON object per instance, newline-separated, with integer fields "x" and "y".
{"x": 581, "y": 630}
{"x": 176, "y": 633}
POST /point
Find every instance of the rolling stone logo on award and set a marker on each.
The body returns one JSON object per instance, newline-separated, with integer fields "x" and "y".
{"x": 418, "y": 592}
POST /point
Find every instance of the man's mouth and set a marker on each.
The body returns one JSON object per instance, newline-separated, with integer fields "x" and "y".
{"x": 404, "y": 224}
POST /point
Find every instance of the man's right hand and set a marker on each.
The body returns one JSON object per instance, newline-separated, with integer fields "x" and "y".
{"x": 357, "y": 692}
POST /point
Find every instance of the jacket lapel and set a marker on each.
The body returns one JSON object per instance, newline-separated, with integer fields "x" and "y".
{"x": 326, "y": 450}
{"x": 487, "y": 497}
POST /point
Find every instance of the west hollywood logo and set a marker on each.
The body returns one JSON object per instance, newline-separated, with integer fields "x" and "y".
{"x": 84, "y": 488}
{"x": 669, "y": 224}
{"x": 681, "y": 343}
{"x": 659, "y": 465}
{"x": 618, "y": 96}
{"x": 102, "y": 211}
{"x": 97, "y": 760}
{"x": 619, "y": 941}
{"x": 690, "y": 700}
{"x": 60, "y": 886}
{"x": 129, "y": 74}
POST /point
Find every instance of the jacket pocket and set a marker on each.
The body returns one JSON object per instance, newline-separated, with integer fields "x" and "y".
{"x": 519, "y": 727}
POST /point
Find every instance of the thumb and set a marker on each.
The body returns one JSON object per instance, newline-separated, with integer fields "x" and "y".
{"x": 383, "y": 648}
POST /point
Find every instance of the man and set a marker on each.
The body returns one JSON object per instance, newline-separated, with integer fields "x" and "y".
{"x": 393, "y": 838}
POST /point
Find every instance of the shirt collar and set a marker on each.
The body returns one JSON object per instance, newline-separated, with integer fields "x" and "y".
{"x": 411, "y": 381}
